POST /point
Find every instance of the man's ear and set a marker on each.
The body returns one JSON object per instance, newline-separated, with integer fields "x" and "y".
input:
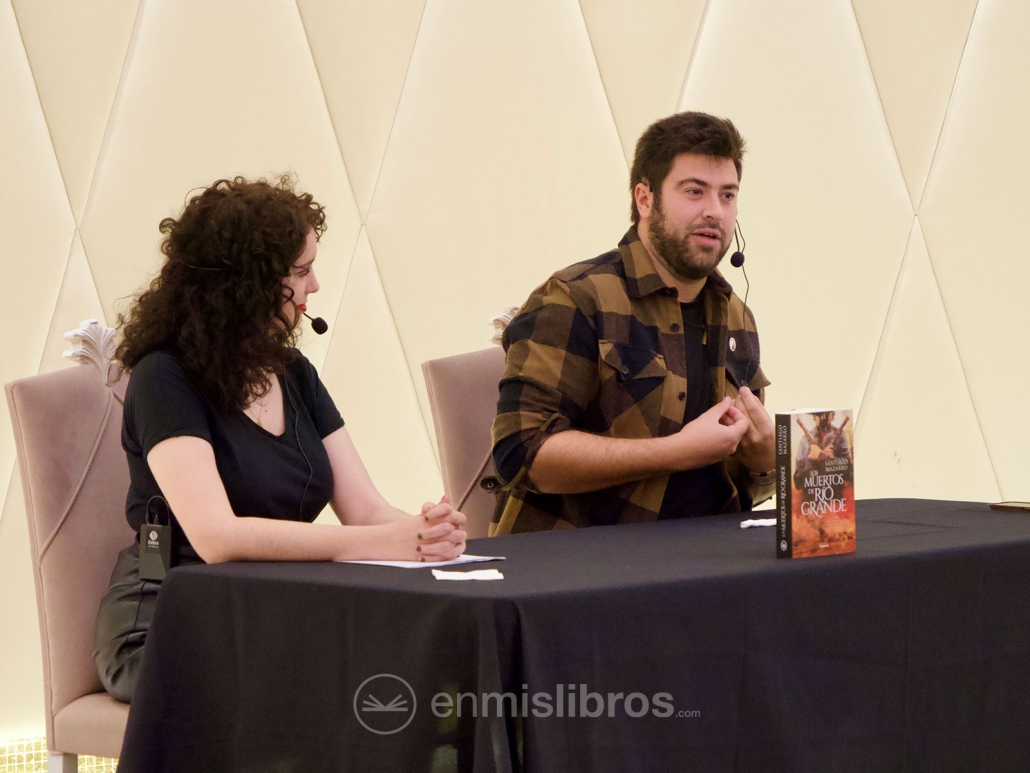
{"x": 644, "y": 198}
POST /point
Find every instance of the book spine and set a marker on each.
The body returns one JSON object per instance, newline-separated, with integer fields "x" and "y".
{"x": 784, "y": 488}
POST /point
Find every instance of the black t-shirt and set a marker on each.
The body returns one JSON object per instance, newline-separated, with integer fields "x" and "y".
{"x": 702, "y": 491}
{"x": 287, "y": 477}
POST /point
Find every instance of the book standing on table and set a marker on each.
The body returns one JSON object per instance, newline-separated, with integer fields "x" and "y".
{"x": 815, "y": 483}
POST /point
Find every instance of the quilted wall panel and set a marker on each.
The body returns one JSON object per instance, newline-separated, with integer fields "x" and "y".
{"x": 465, "y": 149}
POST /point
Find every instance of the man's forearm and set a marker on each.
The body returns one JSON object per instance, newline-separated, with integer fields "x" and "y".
{"x": 574, "y": 462}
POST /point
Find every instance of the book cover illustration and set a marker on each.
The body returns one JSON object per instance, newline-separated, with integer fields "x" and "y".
{"x": 815, "y": 486}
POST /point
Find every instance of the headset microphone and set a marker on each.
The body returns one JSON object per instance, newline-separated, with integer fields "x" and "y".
{"x": 737, "y": 261}
{"x": 737, "y": 258}
{"x": 318, "y": 324}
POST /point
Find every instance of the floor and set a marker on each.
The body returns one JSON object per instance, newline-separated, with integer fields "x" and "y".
{"x": 29, "y": 755}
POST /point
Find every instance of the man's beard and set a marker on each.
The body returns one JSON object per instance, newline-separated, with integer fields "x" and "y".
{"x": 681, "y": 257}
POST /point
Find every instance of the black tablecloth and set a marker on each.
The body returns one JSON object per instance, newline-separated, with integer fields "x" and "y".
{"x": 913, "y": 654}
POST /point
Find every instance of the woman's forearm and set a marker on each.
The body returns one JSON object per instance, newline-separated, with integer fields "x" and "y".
{"x": 265, "y": 539}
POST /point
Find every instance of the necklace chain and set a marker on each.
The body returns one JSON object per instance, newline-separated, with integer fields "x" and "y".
{"x": 260, "y": 403}
{"x": 260, "y": 412}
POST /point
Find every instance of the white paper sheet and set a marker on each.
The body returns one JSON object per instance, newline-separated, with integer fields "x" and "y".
{"x": 464, "y": 558}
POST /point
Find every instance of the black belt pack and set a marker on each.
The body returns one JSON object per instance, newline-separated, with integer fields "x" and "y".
{"x": 158, "y": 551}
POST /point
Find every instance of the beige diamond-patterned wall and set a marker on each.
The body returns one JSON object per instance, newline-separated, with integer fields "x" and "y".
{"x": 465, "y": 149}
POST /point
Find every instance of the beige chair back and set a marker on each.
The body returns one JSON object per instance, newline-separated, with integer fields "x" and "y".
{"x": 463, "y": 396}
{"x": 67, "y": 428}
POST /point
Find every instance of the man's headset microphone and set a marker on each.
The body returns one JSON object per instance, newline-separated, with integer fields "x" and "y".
{"x": 737, "y": 261}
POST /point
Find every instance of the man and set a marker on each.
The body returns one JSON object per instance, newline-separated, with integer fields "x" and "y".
{"x": 620, "y": 400}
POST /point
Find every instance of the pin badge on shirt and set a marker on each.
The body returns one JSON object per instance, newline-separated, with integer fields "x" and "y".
{"x": 733, "y": 344}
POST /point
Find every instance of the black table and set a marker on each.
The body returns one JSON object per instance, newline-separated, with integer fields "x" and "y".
{"x": 912, "y": 654}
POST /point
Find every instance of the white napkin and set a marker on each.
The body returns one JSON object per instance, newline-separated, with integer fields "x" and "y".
{"x": 475, "y": 574}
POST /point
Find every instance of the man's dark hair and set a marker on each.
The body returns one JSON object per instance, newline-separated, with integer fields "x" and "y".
{"x": 657, "y": 148}
{"x": 217, "y": 302}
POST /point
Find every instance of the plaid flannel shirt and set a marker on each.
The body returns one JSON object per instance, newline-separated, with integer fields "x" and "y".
{"x": 599, "y": 348}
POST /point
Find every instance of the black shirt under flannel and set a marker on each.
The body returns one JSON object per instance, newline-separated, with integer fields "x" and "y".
{"x": 599, "y": 348}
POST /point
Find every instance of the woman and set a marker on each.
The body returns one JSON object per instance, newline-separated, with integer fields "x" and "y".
{"x": 228, "y": 426}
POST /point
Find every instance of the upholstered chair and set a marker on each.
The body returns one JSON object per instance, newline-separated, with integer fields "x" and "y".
{"x": 67, "y": 427}
{"x": 463, "y": 397}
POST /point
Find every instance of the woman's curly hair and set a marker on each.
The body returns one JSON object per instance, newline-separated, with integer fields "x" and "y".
{"x": 217, "y": 303}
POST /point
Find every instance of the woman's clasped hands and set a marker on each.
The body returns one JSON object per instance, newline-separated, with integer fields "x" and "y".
{"x": 436, "y": 534}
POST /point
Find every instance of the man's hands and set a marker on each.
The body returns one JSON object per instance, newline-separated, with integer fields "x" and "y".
{"x": 757, "y": 449}
{"x": 713, "y": 435}
{"x": 738, "y": 427}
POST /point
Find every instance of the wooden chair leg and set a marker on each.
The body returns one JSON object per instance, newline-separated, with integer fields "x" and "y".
{"x": 62, "y": 763}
